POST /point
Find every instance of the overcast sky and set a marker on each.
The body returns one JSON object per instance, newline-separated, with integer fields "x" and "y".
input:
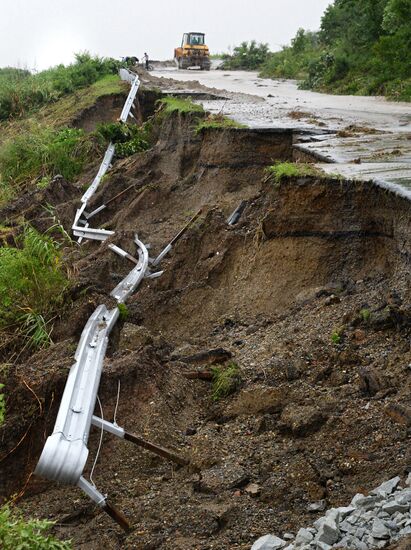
{"x": 41, "y": 33}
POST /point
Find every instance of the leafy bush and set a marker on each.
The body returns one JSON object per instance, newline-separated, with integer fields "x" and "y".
{"x": 31, "y": 285}
{"x": 362, "y": 47}
{"x": 43, "y": 153}
{"x": 18, "y": 534}
{"x": 128, "y": 138}
{"x": 21, "y": 91}
{"x": 247, "y": 56}
{"x": 225, "y": 380}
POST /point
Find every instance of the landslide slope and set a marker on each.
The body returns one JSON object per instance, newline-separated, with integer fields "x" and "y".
{"x": 306, "y": 300}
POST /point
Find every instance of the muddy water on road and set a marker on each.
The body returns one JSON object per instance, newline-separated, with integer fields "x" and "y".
{"x": 272, "y": 101}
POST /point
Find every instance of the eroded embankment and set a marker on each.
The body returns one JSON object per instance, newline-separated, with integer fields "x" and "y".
{"x": 322, "y": 407}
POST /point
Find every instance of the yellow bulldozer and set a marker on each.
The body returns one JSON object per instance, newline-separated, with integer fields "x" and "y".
{"x": 193, "y": 52}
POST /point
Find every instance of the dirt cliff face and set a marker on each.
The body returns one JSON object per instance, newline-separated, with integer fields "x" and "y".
{"x": 309, "y": 293}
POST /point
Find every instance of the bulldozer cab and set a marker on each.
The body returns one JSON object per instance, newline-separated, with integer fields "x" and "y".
{"x": 193, "y": 39}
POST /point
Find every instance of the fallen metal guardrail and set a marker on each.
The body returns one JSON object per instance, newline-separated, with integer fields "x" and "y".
{"x": 80, "y": 226}
{"x": 65, "y": 452}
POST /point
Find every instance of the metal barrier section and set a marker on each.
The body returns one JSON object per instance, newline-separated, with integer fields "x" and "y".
{"x": 65, "y": 452}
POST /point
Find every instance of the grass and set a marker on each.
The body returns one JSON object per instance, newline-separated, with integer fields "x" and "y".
{"x": 32, "y": 282}
{"x": 217, "y": 121}
{"x": 283, "y": 170}
{"x": 170, "y": 105}
{"x": 16, "y": 533}
{"x": 22, "y": 92}
{"x": 226, "y": 380}
{"x": 65, "y": 110}
{"x": 2, "y": 405}
{"x": 124, "y": 313}
{"x": 43, "y": 153}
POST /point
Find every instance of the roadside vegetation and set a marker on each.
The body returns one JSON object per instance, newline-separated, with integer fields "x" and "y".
{"x": 22, "y": 91}
{"x": 32, "y": 283}
{"x": 362, "y": 47}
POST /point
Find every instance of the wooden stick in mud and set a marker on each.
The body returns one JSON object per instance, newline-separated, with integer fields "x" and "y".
{"x": 157, "y": 449}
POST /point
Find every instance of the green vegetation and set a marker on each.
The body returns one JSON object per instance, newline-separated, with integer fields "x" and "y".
{"x": 18, "y": 534}
{"x": 282, "y": 170}
{"x": 170, "y": 105}
{"x": 217, "y": 121}
{"x": 32, "y": 282}
{"x": 44, "y": 153}
{"x": 2, "y": 405}
{"x": 362, "y": 47}
{"x": 365, "y": 315}
{"x": 337, "y": 335}
{"x": 247, "y": 56}
{"x": 225, "y": 380}
{"x": 124, "y": 313}
{"x": 129, "y": 138}
{"x": 21, "y": 91}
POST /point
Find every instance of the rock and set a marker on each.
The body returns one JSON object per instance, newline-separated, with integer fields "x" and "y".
{"x": 359, "y": 544}
{"x": 408, "y": 480}
{"x": 367, "y": 503}
{"x": 387, "y": 487}
{"x": 404, "y": 497}
{"x": 220, "y": 477}
{"x": 288, "y": 536}
{"x": 333, "y": 299}
{"x": 209, "y": 357}
{"x": 133, "y": 337}
{"x": 318, "y": 506}
{"x": 292, "y": 372}
{"x": 253, "y": 489}
{"x": 394, "y": 506}
{"x": 259, "y": 399}
{"x": 303, "y": 537}
{"x": 302, "y": 420}
{"x": 379, "y": 530}
{"x": 328, "y": 532}
{"x": 371, "y": 382}
{"x": 323, "y": 546}
{"x": 399, "y": 413}
{"x": 268, "y": 542}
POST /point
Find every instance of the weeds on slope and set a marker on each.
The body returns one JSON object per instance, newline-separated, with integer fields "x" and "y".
{"x": 32, "y": 282}
{"x": 43, "y": 153}
{"x": 22, "y": 91}
{"x": 226, "y": 380}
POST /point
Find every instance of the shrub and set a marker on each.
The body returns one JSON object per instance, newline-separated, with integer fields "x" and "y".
{"x": 248, "y": 56}
{"x": 31, "y": 285}
{"x": 128, "y": 138}
{"x": 225, "y": 380}
{"x": 124, "y": 313}
{"x": 18, "y": 534}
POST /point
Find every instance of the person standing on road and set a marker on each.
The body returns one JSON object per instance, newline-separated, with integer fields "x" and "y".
{"x": 146, "y": 59}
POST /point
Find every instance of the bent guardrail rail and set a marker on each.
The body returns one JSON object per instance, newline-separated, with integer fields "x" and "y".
{"x": 65, "y": 452}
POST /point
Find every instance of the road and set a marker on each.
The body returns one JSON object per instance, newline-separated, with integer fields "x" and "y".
{"x": 369, "y": 137}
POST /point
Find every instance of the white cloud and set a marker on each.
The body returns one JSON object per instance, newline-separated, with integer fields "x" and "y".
{"x": 45, "y": 32}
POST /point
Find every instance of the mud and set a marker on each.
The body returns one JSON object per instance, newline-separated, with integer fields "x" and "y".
{"x": 313, "y": 415}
